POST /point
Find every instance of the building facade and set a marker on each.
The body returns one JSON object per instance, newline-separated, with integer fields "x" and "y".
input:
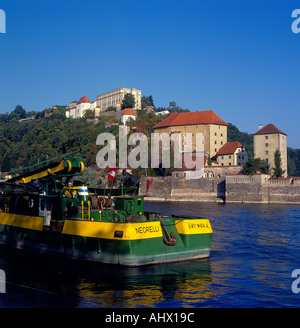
{"x": 78, "y": 109}
{"x": 232, "y": 153}
{"x": 266, "y": 140}
{"x": 213, "y": 128}
{"x": 127, "y": 114}
{"x": 114, "y": 98}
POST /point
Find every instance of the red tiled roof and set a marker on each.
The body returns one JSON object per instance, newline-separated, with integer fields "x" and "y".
{"x": 229, "y": 148}
{"x": 269, "y": 129}
{"x": 74, "y": 101}
{"x": 84, "y": 99}
{"x": 128, "y": 111}
{"x": 204, "y": 117}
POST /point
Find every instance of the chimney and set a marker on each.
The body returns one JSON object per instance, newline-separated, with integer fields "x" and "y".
{"x": 260, "y": 126}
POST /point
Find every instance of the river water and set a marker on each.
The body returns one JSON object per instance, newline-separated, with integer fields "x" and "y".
{"x": 254, "y": 251}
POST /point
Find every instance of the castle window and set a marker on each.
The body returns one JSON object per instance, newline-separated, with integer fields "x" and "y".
{"x": 267, "y": 145}
{"x": 266, "y": 137}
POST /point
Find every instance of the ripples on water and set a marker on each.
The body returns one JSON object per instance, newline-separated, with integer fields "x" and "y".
{"x": 254, "y": 251}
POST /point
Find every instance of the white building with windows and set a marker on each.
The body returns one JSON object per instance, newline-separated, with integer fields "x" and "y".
{"x": 78, "y": 109}
{"x": 232, "y": 153}
{"x": 128, "y": 113}
{"x": 114, "y": 98}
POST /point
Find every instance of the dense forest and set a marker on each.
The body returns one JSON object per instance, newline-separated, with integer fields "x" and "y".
{"x": 49, "y": 134}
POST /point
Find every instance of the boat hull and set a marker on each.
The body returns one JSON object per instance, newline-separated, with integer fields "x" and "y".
{"x": 128, "y": 244}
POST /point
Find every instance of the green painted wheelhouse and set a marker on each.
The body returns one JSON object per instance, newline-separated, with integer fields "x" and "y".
{"x": 47, "y": 214}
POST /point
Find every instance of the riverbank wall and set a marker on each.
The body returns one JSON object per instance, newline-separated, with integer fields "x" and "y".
{"x": 231, "y": 188}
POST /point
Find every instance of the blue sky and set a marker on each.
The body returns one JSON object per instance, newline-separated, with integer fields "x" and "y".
{"x": 239, "y": 58}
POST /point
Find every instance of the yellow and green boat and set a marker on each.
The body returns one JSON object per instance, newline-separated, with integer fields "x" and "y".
{"x": 41, "y": 211}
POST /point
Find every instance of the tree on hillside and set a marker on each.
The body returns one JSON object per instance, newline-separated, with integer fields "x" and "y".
{"x": 172, "y": 104}
{"x": 88, "y": 114}
{"x": 234, "y": 134}
{"x": 19, "y": 112}
{"x": 293, "y": 161}
{"x": 277, "y": 170}
{"x": 128, "y": 101}
{"x": 147, "y": 102}
{"x": 255, "y": 165}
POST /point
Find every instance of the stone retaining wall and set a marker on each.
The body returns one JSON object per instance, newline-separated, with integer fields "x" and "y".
{"x": 231, "y": 188}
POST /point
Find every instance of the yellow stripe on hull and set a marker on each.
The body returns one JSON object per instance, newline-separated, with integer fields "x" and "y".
{"x": 22, "y": 221}
{"x": 192, "y": 227}
{"x": 106, "y": 230}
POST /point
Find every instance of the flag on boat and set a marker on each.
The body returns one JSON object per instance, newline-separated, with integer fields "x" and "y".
{"x": 111, "y": 174}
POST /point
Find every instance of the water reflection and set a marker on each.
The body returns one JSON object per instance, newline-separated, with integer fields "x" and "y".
{"x": 254, "y": 250}
{"x": 66, "y": 283}
{"x": 145, "y": 287}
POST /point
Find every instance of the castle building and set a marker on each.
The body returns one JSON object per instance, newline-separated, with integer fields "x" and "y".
{"x": 114, "y": 98}
{"x": 266, "y": 140}
{"x": 78, "y": 109}
{"x": 232, "y": 153}
{"x": 207, "y": 122}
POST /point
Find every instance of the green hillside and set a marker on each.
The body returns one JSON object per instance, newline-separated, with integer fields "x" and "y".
{"x": 50, "y": 134}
